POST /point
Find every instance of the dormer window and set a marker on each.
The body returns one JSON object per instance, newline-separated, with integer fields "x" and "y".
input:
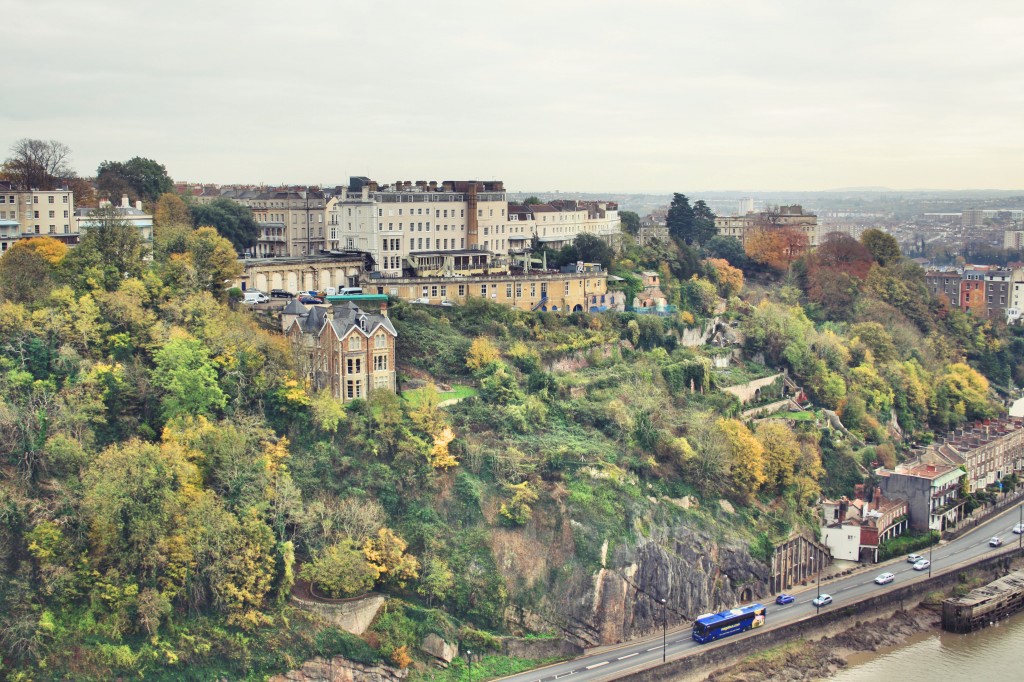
{"x": 362, "y": 322}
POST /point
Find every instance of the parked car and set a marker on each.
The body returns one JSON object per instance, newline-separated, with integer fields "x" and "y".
{"x": 1019, "y": 529}
{"x": 995, "y": 541}
{"x": 448, "y": 304}
{"x": 281, "y": 293}
{"x": 422, "y": 301}
{"x": 885, "y": 578}
{"x": 913, "y": 558}
{"x": 785, "y": 599}
{"x": 922, "y": 565}
{"x": 350, "y": 291}
{"x": 254, "y": 297}
{"x": 310, "y": 300}
{"x": 822, "y": 600}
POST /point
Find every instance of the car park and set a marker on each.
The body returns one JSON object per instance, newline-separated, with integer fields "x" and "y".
{"x": 281, "y": 293}
{"x": 822, "y": 600}
{"x": 1019, "y": 529}
{"x": 995, "y": 541}
{"x": 885, "y": 578}
{"x": 784, "y": 598}
{"x": 913, "y": 558}
{"x": 922, "y": 565}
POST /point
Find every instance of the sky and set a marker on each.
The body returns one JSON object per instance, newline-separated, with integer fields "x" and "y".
{"x": 567, "y": 95}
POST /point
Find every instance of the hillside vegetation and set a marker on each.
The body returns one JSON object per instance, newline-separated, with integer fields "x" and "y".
{"x": 166, "y": 477}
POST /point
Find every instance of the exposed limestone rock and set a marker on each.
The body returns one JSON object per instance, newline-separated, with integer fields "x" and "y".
{"x": 438, "y": 648}
{"x": 340, "y": 669}
{"x": 726, "y": 506}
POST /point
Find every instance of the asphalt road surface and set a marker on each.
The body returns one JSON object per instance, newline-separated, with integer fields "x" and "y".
{"x": 609, "y": 662}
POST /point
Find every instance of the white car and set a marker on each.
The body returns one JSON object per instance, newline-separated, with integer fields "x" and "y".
{"x": 995, "y": 541}
{"x": 822, "y": 600}
{"x": 1019, "y": 529}
{"x": 922, "y": 565}
{"x": 447, "y": 304}
{"x": 885, "y": 578}
{"x": 913, "y": 558}
{"x": 421, "y": 301}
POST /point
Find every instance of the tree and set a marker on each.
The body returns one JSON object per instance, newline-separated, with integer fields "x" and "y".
{"x": 27, "y": 269}
{"x": 110, "y": 250}
{"x": 171, "y": 210}
{"x": 209, "y": 263}
{"x": 137, "y": 177}
{"x": 233, "y": 222}
{"x": 188, "y": 379}
{"x": 532, "y": 201}
{"x": 840, "y": 252}
{"x": 482, "y": 352}
{"x": 385, "y": 552}
{"x": 590, "y": 248}
{"x": 728, "y": 278}
{"x": 341, "y": 570}
{"x": 630, "y": 222}
{"x": 680, "y": 219}
{"x": 728, "y": 248}
{"x": 746, "y": 458}
{"x": 776, "y": 247}
{"x": 883, "y": 247}
{"x": 703, "y": 223}
{"x": 38, "y": 164}
{"x": 781, "y": 450}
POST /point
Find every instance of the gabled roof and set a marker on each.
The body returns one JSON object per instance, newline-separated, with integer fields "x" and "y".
{"x": 346, "y": 316}
{"x": 295, "y": 308}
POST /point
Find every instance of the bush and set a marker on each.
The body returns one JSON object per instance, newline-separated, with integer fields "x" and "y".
{"x": 905, "y": 544}
{"x": 331, "y": 642}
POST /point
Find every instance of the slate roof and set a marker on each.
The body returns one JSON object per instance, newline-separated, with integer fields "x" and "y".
{"x": 347, "y": 315}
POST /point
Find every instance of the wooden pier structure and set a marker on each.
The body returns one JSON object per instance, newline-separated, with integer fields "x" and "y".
{"x": 984, "y": 606}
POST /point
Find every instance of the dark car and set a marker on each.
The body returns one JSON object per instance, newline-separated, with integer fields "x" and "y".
{"x": 281, "y": 293}
{"x": 309, "y": 300}
{"x": 785, "y": 599}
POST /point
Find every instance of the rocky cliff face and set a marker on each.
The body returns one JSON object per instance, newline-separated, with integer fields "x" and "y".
{"x": 687, "y": 568}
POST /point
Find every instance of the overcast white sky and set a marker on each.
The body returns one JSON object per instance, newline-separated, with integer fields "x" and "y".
{"x": 573, "y": 95}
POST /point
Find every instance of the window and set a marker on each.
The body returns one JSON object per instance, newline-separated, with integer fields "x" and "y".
{"x": 36, "y": 214}
{"x": 462, "y": 290}
{"x": 50, "y": 198}
{"x": 380, "y": 363}
{"x": 382, "y": 381}
{"x": 354, "y": 389}
{"x": 566, "y": 288}
{"x": 52, "y": 214}
{"x": 433, "y": 291}
{"x": 444, "y": 291}
{"x": 483, "y": 290}
{"x": 380, "y": 341}
{"x": 508, "y": 291}
{"x": 355, "y": 342}
{"x": 519, "y": 289}
{"x": 355, "y": 366}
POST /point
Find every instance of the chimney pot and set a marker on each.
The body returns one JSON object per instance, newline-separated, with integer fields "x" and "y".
{"x": 124, "y": 201}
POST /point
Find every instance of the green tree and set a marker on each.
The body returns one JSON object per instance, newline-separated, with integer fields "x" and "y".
{"x": 680, "y": 219}
{"x": 187, "y": 378}
{"x": 111, "y": 250}
{"x": 883, "y": 247}
{"x": 25, "y": 274}
{"x": 341, "y": 570}
{"x": 590, "y": 248}
{"x": 233, "y": 222}
{"x": 728, "y": 248}
{"x": 630, "y": 222}
{"x": 532, "y": 201}
{"x": 137, "y": 177}
{"x": 703, "y": 225}
{"x": 209, "y": 263}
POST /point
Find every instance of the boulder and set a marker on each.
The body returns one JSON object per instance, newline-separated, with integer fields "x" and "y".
{"x": 438, "y": 648}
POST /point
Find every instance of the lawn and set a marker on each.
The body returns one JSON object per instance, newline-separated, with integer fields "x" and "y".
{"x": 459, "y": 391}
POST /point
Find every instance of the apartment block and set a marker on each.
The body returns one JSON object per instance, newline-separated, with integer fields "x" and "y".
{"x": 40, "y": 213}
{"x": 740, "y": 226}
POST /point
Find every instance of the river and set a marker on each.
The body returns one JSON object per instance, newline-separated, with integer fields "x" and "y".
{"x": 989, "y": 654}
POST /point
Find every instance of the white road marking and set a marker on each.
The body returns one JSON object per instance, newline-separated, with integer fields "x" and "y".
{"x": 635, "y": 653}
{"x": 597, "y": 665}
{"x": 571, "y": 672}
{"x": 654, "y": 648}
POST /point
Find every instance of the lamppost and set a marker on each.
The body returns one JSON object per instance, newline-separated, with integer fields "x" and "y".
{"x": 469, "y": 659}
{"x": 817, "y": 581}
{"x": 1020, "y": 536}
{"x": 664, "y": 627}
{"x": 930, "y": 545}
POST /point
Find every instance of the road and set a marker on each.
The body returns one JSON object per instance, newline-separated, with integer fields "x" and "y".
{"x": 607, "y": 663}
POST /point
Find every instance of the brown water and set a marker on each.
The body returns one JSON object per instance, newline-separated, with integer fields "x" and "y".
{"x": 990, "y": 655}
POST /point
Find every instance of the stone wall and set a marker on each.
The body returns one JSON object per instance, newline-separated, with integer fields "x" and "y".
{"x": 752, "y": 389}
{"x": 340, "y": 669}
{"x": 351, "y": 615}
{"x": 539, "y": 648}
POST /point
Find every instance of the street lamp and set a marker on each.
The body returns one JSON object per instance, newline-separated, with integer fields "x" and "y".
{"x": 469, "y": 659}
{"x": 930, "y": 545}
{"x": 817, "y": 602}
{"x": 664, "y": 627}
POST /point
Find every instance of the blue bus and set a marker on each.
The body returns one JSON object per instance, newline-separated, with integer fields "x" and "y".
{"x": 714, "y": 626}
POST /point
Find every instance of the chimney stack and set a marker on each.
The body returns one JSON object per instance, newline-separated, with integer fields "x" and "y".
{"x": 138, "y": 205}
{"x": 124, "y": 201}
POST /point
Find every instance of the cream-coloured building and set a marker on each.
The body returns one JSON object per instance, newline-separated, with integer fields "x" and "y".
{"x": 292, "y": 222}
{"x": 394, "y": 222}
{"x": 40, "y": 213}
{"x": 786, "y": 216}
{"x": 133, "y": 215}
{"x": 543, "y": 291}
